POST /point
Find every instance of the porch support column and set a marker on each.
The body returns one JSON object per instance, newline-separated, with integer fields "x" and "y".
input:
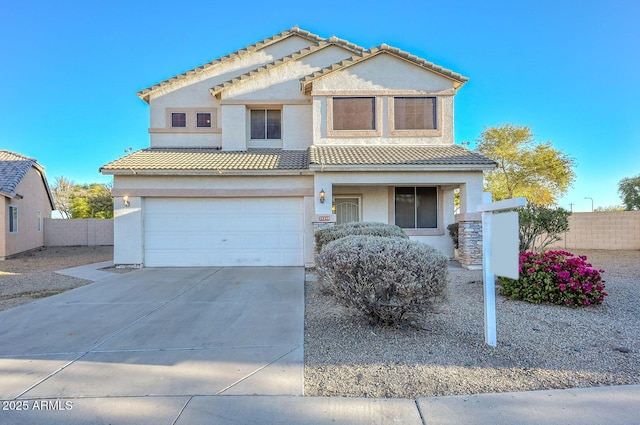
{"x": 470, "y": 240}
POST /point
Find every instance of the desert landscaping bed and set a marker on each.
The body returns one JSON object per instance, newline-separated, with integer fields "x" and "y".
{"x": 539, "y": 346}
{"x": 31, "y": 275}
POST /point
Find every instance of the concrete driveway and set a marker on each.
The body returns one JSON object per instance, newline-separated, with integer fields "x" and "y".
{"x": 159, "y": 332}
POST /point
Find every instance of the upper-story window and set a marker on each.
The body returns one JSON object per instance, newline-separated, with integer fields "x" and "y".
{"x": 189, "y": 120}
{"x": 354, "y": 116}
{"x": 266, "y": 124}
{"x": 414, "y": 116}
{"x": 178, "y": 119}
{"x": 415, "y": 113}
{"x": 354, "y": 113}
{"x": 203, "y": 119}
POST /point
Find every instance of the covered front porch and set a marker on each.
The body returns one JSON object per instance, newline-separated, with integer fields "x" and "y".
{"x": 420, "y": 189}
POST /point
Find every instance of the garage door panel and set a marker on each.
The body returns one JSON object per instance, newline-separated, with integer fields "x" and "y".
{"x": 223, "y": 232}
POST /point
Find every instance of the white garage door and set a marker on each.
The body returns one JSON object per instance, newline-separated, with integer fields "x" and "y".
{"x": 223, "y": 232}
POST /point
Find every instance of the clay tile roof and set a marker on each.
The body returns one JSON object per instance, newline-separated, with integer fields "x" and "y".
{"x": 145, "y": 94}
{"x": 458, "y": 79}
{"x": 293, "y": 56}
{"x": 447, "y": 156}
{"x": 207, "y": 161}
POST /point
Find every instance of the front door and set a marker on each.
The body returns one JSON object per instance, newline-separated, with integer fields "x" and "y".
{"x": 347, "y": 209}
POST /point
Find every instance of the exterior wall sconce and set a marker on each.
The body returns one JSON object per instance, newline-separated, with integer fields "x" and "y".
{"x": 125, "y": 201}
{"x": 322, "y": 195}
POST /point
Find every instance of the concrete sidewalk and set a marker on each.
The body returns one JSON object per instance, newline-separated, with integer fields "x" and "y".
{"x": 219, "y": 346}
{"x": 92, "y": 272}
{"x": 587, "y": 406}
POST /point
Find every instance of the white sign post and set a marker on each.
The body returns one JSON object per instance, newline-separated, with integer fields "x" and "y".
{"x": 499, "y": 254}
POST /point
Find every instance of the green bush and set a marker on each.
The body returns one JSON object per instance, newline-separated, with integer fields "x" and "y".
{"x": 540, "y": 226}
{"x": 328, "y": 234}
{"x": 388, "y": 279}
{"x": 454, "y": 230}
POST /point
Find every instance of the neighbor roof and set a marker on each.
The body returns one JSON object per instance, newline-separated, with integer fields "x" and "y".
{"x": 457, "y": 79}
{"x": 405, "y": 157}
{"x": 207, "y": 161}
{"x": 13, "y": 168}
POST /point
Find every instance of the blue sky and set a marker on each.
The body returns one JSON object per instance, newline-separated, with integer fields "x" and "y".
{"x": 568, "y": 69}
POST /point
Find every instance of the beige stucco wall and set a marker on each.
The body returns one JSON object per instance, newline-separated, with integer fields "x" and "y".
{"x": 35, "y": 200}
{"x": 618, "y": 230}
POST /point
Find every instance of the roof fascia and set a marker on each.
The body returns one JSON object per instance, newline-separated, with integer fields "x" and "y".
{"x": 145, "y": 94}
{"x": 458, "y": 79}
{"x": 394, "y": 167}
{"x": 40, "y": 169}
{"x": 222, "y": 172}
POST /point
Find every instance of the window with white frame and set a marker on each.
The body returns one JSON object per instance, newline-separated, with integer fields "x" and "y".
{"x": 414, "y": 113}
{"x": 266, "y": 124}
{"x": 13, "y": 219}
{"x": 416, "y": 207}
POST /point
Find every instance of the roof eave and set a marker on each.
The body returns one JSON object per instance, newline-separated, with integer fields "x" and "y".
{"x": 146, "y": 93}
{"x": 220, "y": 172}
{"x": 405, "y": 167}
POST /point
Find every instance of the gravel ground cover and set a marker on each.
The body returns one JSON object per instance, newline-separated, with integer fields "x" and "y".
{"x": 31, "y": 275}
{"x": 539, "y": 346}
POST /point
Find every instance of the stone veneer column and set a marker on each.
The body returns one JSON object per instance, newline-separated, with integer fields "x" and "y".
{"x": 470, "y": 240}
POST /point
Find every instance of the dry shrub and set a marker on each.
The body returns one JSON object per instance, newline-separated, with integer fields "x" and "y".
{"x": 389, "y": 279}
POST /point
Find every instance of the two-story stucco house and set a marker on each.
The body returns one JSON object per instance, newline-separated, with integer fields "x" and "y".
{"x": 253, "y": 151}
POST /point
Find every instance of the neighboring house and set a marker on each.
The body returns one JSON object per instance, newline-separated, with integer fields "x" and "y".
{"x": 26, "y": 200}
{"x": 253, "y": 151}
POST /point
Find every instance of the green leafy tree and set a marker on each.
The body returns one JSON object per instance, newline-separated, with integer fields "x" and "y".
{"x": 629, "y": 189}
{"x": 100, "y": 201}
{"x": 540, "y": 226}
{"x": 80, "y": 208}
{"x": 610, "y": 208}
{"x": 83, "y": 201}
{"x": 526, "y": 168}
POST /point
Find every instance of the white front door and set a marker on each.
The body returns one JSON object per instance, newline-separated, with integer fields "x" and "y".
{"x": 347, "y": 209}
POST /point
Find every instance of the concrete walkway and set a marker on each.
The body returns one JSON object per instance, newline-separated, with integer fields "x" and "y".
{"x": 218, "y": 346}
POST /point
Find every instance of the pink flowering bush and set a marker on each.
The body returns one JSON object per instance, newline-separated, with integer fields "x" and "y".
{"x": 556, "y": 277}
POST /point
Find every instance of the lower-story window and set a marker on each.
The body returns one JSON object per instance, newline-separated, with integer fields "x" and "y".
{"x": 13, "y": 219}
{"x": 416, "y": 207}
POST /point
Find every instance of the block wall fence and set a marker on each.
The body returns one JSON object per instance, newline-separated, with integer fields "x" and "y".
{"x": 78, "y": 232}
{"x": 618, "y": 230}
